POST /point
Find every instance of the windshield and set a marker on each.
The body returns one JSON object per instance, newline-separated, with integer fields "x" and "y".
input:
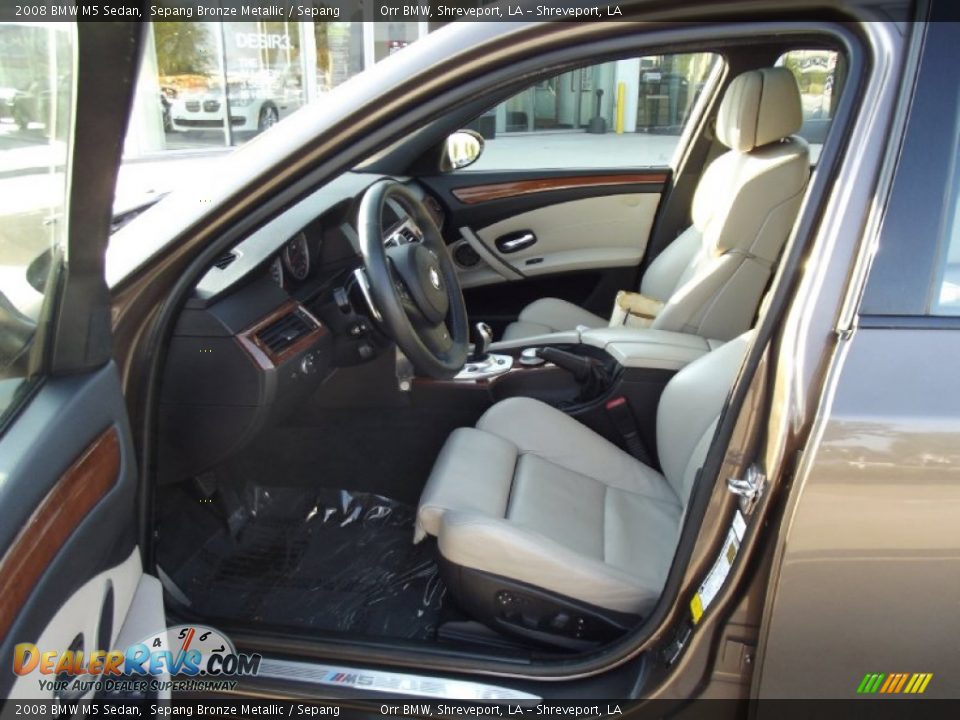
{"x": 181, "y": 117}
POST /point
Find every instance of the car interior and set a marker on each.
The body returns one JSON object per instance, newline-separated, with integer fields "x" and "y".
{"x": 429, "y": 406}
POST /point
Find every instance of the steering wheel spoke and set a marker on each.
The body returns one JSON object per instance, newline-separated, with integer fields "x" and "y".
{"x": 404, "y": 295}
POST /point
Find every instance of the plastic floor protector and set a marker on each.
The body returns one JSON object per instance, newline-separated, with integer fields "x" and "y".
{"x": 327, "y": 560}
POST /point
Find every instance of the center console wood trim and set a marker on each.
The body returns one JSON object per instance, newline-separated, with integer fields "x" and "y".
{"x": 486, "y": 383}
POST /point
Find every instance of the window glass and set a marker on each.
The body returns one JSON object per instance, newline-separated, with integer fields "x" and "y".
{"x": 208, "y": 86}
{"x": 816, "y": 74}
{"x": 36, "y": 109}
{"x": 627, "y": 113}
{"x": 196, "y": 75}
{"x": 916, "y": 268}
{"x": 946, "y": 299}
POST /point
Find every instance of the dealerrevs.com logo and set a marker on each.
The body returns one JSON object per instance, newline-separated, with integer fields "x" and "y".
{"x": 182, "y": 651}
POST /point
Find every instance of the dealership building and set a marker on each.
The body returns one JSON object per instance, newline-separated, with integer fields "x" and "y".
{"x": 208, "y": 85}
{"x": 271, "y": 69}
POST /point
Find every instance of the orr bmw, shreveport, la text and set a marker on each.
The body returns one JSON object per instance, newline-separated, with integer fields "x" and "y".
{"x": 508, "y": 710}
{"x": 497, "y": 12}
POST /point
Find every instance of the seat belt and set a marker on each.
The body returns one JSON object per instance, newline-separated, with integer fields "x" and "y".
{"x": 618, "y": 409}
{"x": 632, "y": 309}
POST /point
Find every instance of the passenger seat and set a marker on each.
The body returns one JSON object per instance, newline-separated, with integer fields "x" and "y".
{"x": 711, "y": 278}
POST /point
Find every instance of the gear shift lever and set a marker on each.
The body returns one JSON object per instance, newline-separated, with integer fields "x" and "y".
{"x": 482, "y": 337}
{"x": 482, "y": 364}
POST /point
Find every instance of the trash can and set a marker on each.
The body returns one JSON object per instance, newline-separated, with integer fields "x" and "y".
{"x": 486, "y": 125}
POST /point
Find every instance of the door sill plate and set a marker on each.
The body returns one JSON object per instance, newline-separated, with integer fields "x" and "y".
{"x": 393, "y": 683}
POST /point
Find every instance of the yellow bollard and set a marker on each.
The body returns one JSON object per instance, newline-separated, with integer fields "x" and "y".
{"x": 621, "y": 106}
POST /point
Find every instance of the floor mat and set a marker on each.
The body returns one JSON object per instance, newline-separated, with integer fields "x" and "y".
{"x": 325, "y": 560}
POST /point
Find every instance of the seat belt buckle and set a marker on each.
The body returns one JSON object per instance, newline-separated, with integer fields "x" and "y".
{"x": 620, "y": 414}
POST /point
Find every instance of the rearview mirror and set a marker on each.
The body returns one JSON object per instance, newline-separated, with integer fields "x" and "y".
{"x": 463, "y": 148}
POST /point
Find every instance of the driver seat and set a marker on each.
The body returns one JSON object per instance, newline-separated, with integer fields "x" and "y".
{"x": 535, "y": 512}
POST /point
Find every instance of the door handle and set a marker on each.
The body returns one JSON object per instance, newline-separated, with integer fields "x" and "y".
{"x": 515, "y": 241}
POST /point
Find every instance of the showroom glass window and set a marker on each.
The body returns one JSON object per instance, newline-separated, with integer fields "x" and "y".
{"x": 36, "y": 112}
{"x": 207, "y": 87}
{"x": 214, "y": 85}
{"x": 819, "y": 75}
{"x": 626, "y": 113}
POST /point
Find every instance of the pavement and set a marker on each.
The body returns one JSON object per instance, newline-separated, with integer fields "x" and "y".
{"x": 576, "y": 150}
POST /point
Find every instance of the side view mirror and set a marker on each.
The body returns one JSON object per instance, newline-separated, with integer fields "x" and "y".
{"x": 463, "y": 148}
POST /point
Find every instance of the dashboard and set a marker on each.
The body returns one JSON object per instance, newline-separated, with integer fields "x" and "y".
{"x": 268, "y": 322}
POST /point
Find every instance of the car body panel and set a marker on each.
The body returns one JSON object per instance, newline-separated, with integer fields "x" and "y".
{"x": 874, "y": 542}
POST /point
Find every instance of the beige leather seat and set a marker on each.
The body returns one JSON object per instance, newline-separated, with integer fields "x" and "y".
{"x": 531, "y": 496}
{"x": 712, "y": 276}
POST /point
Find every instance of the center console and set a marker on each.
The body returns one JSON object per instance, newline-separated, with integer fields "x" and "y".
{"x": 610, "y": 379}
{"x": 647, "y": 348}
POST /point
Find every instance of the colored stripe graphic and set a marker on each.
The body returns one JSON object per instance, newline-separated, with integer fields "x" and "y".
{"x": 894, "y": 683}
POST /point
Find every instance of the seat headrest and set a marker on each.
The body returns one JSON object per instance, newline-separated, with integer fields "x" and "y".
{"x": 759, "y": 107}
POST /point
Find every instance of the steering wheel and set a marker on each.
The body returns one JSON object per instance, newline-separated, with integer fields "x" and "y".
{"x": 414, "y": 285}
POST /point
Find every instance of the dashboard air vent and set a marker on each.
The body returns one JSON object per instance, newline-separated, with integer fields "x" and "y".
{"x": 407, "y": 235}
{"x": 224, "y": 260}
{"x": 284, "y": 332}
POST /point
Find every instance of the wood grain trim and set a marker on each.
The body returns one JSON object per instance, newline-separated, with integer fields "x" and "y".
{"x": 498, "y": 191}
{"x": 261, "y": 354}
{"x": 65, "y": 506}
{"x": 486, "y": 383}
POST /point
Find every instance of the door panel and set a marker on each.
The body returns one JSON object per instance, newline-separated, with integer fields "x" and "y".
{"x": 602, "y": 232}
{"x": 590, "y": 231}
{"x": 111, "y": 590}
{"x": 69, "y": 528}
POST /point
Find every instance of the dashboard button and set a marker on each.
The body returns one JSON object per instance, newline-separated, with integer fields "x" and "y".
{"x": 308, "y": 365}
